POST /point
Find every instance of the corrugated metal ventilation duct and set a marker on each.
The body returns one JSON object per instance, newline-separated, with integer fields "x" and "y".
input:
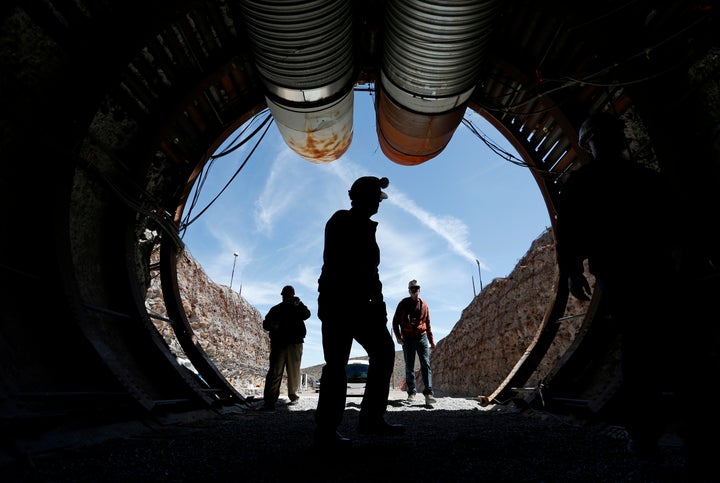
{"x": 431, "y": 54}
{"x": 303, "y": 52}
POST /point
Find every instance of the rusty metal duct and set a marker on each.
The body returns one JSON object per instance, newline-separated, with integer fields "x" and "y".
{"x": 432, "y": 51}
{"x": 303, "y": 52}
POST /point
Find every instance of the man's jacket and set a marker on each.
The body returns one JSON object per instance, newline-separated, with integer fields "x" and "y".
{"x": 286, "y": 322}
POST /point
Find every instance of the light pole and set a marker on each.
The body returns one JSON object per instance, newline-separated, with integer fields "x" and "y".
{"x": 233, "y": 270}
{"x": 479, "y": 275}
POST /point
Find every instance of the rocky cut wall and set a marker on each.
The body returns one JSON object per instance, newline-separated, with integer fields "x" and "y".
{"x": 491, "y": 335}
{"x": 227, "y": 327}
{"x": 498, "y": 326}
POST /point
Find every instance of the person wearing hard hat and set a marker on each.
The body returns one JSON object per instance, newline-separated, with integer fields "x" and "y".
{"x": 351, "y": 307}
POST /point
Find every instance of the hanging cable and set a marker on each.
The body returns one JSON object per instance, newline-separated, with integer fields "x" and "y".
{"x": 492, "y": 145}
{"x": 267, "y": 122}
{"x": 233, "y": 145}
{"x": 594, "y": 77}
{"x": 132, "y": 195}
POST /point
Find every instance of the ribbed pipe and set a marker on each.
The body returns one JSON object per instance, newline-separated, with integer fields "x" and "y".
{"x": 431, "y": 59}
{"x": 304, "y": 54}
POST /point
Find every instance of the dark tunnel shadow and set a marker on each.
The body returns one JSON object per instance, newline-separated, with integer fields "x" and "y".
{"x": 496, "y": 444}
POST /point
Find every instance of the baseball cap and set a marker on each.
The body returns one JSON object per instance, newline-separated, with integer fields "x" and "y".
{"x": 369, "y": 187}
{"x": 413, "y": 283}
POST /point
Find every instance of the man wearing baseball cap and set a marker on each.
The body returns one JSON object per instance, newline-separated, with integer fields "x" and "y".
{"x": 411, "y": 325}
{"x": 351, "y": 307}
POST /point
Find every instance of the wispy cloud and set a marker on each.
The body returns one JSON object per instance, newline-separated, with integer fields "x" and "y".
{"x": 449, "y": 228}
{"x": 282, "y": 190}
{"x": 277, "y": 211}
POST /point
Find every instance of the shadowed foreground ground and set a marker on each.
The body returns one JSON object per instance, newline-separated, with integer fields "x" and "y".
{"x": 463, "y": 443}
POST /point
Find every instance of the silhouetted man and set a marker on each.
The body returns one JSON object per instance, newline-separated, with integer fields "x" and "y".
{"x": 619, "y": 216}
{"x": 285, "y": 323}
{"x": 351, "y": 307}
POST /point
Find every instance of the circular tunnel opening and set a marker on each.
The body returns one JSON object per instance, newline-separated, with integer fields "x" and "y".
{"x": 255, "y": 217}
{"x": 190, "y": 67}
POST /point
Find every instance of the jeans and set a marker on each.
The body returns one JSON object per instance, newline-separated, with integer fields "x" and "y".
{"x": 417, "y": 345}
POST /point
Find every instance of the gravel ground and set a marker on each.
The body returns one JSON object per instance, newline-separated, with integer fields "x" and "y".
{"x": 455, "y": 440}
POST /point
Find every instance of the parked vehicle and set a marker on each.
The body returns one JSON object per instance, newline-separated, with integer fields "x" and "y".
{"x": 356, "y": 373}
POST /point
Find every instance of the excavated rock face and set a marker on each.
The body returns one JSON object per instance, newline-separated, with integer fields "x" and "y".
{"x": 500, "y": 323}
{"x": 491, "y": 336}
{"x": 227, "y": 327}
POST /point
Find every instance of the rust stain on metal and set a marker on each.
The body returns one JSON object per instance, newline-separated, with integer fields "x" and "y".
{"x": 410, "y": 138}
{"x": 323, "y": 149}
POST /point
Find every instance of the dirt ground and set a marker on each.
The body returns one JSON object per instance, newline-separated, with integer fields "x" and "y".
{"x": 455, "y": 440}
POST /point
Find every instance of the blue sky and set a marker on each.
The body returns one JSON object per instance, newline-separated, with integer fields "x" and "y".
{"x": 464, "y": 205}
